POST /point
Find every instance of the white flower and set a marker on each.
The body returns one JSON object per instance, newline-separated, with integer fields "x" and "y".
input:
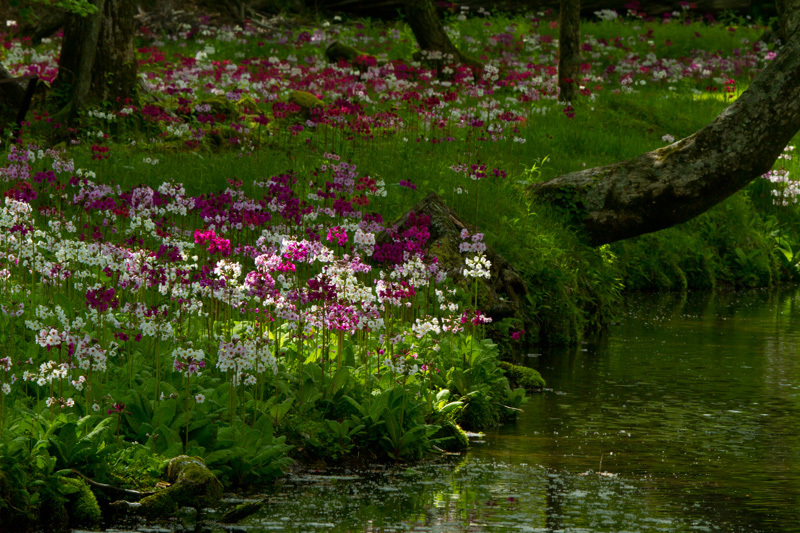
{"x": 606, "y": 14}
{"x": 478, "y": 267}
{"x": 199, "y": 398}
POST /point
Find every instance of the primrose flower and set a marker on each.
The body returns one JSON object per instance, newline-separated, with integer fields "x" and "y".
{"x": 478, "y": 267}
{"x": 337, "y": 234}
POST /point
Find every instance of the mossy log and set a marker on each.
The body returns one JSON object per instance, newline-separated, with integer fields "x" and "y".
{"x": 192, "y": 485}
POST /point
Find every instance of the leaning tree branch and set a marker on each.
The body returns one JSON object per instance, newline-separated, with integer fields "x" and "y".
{"x": 673, "y": 184}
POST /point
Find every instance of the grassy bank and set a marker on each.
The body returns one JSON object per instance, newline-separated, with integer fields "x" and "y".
{"x": 203, "y": 272}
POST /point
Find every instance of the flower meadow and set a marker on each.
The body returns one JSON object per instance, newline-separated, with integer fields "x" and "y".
{"x": 214, "y": 268}
{"x": 230, "y": 87}
{"x": 167, "y": 311}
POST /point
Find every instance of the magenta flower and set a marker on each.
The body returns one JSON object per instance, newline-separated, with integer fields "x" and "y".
{"x": 337, "y": 234}
{"x": 101, "y": 299}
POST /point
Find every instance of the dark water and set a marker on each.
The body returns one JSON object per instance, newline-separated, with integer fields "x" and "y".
{"x": 685, "y": 418}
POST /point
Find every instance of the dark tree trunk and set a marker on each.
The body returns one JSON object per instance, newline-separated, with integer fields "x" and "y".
{"x": 114, "y": 72}
{"x": 673, "y": 184}
{"x": 12, "y": 93}
{"x": 429, "y": 32}
{"x": 78, "y": 49}
{"x": 12, "y": 98}
{"x": 569, "y": 49}
{"x": 98, "y": 61}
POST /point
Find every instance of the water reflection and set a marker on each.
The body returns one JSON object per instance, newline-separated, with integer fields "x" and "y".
{"x": 693, "y": 401}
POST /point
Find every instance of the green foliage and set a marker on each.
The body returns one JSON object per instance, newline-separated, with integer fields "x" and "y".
{"x": 326, "y": 409}
{"x": 35, "y": 456}
{"x": 78, "y": 7}
{"x": 247, "y": 456}
{"x": 731, "y": 244}
{"x": 74, "y": 445}
{"x": 481, "y": 385}
{"x": 406, "y": 435}
{"x": 136, "y": 467}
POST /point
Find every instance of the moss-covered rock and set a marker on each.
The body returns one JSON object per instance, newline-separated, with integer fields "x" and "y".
{"x": 480, "y": 413}
{"x": 522, "y": 376}
{"x": 82, "y": 507}
{"x": 337, "y": 51}
{"x": 192, "y": 484}
{"x": 451, "y": 438}
{"x": 306, "y": 101}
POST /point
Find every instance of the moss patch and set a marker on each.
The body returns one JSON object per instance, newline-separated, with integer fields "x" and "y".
{"x": 522, "y": 376}
{"x": 451, "y": 438}
{"x": 82, "y": 506}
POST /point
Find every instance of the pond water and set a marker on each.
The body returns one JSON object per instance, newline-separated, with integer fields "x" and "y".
{"x": 686, "y": 417}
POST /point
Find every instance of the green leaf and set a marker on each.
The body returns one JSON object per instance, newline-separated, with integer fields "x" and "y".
{"x": 166, "y": 411}
{"x": 219, "y": 456}
{"x": 278, "y": 412}
{"x": 338, "y": 381}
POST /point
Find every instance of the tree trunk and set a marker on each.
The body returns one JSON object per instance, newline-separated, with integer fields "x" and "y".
{"x": 569, "y": 49}
{"x": 673, "y": 184}
{"x": 429, "y": 32}
{"x": 78, "y": 48}
{"x": 11, "y": 93}
{"x": 12, "y": 98}
{"x": 788, "y": 17}
{"x": 114, "y": 72}
{"x": 98, "y": 61}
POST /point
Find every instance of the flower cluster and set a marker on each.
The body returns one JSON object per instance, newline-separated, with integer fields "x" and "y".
{"x": 188, "y": 361}
{"x": 477, "y": 267}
